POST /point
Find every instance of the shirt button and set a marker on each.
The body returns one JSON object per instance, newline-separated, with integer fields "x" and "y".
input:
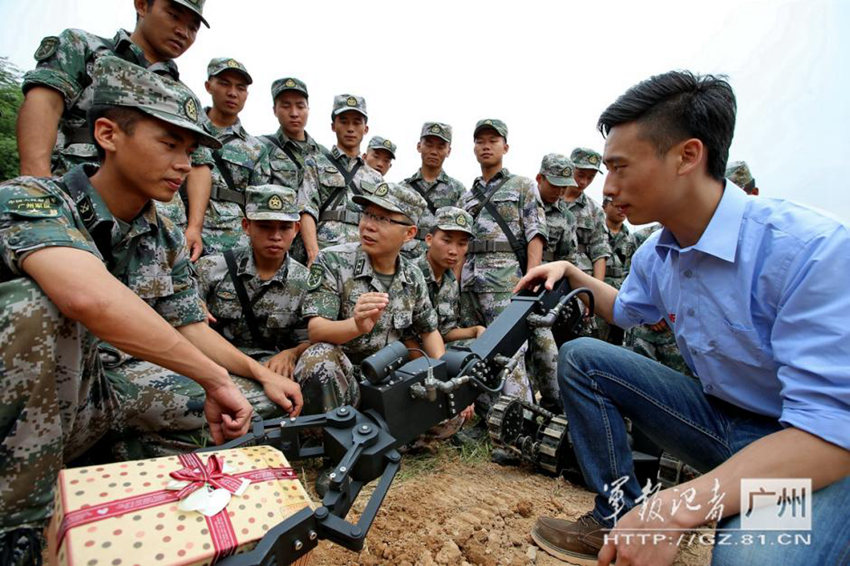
{"x": 691, "y": 312}
{"x": 688, "y": 273}
{"x": 709, "y": 387}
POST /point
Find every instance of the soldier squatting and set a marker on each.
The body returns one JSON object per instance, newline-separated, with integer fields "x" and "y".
{"x": 260, "y": 271}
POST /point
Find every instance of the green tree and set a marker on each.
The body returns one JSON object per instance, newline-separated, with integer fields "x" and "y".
{"x": 10, "y": 101}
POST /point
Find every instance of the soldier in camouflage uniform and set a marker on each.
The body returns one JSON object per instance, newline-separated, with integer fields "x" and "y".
{"x": 593, "y": 248}
{"x": 432, "y": 182}
{"x": 553, "y": 181}
{"x": 53, "y": 132}
{"x": 380, "y": 154}
{"x": 364, "y": 296}
{"x": 492, "y": 267}
{"x": 242, "y": 161}
{"x": 329, "y": 216}
{"x": 268, "y": 327}
{"x": 739, "y": 173}
{"x": 655, "y": 341}
{"x": 617, "y": 266}
{"x": 447, "y": 244}
{"x": 291, "y": 145}
{"x": 82, "y": 259}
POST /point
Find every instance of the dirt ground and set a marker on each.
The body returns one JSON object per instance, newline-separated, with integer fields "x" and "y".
{"x": 453, "y": 510}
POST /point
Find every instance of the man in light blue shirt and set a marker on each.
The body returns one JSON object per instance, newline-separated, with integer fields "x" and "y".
{"x": 751, "y": 290}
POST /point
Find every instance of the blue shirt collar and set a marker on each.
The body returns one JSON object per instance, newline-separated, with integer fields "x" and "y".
{"x": 720, "y": 237}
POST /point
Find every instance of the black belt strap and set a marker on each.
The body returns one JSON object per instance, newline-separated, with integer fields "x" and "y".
{"x": 273, "y": 139}
{"x": 230, "y": 193}
{"x": 520, "y": 250}
{"x": 348, "y": 176}
{"x": 247, "y": 305}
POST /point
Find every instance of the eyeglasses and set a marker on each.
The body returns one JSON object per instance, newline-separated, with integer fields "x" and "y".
{"x": 383, "y": 220}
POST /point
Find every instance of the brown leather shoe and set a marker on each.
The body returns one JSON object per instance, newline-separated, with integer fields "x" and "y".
{"x": 576, "y": 542}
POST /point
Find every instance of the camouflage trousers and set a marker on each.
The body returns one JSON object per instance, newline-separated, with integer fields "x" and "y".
{"x": 610, "y": 333}
{"x": 55, "y": 401}
{"x": 327, "y": 378}
{"x": 658, "y": 346}
{"x": 542, "y": 363}
{"x": 486, "y": 307}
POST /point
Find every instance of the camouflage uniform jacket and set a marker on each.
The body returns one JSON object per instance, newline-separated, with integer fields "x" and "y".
{"x": 276, "y": 302}
{"x": 444, "y": 191}
{"x": 321, "y": 181}
{"x": 65, "y": 64}
{"x": 341, "y": 274}
{"x": 622, "y": 249}
{"x": 518, "y": 203}
{"x": 247, "y": 161}
{"x": 284, "y": 171}
{"x": 590, "y": 232}
{"x": 445, "y": 296}
{"x": 561, "y": 224}
{"x": 148, "y": 255}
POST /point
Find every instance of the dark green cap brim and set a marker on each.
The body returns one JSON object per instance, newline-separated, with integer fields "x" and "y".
{"x": 561, "y": 181}
{"x": 364, "y": 200}
{"x": 203, "y": 137}
{"x": 194, "y": 9}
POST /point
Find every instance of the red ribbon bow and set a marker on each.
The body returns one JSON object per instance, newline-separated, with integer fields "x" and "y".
{"x": 199, "y": 474}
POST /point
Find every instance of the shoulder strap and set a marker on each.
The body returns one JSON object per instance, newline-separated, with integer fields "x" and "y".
{"x": 348, "y": 176}
{"x": 247, "y": 311}
{"x": 518, "y": 247}
{"x": 284, "y": 149}
{"x": 417, "y": 186}
{"x": 222, "y": 168}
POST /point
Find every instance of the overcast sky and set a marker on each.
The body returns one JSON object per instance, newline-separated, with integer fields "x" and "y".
{"x": 547, "y": 68}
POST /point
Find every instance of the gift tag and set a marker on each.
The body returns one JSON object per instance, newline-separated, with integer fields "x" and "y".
{"x": 205, "y": 501}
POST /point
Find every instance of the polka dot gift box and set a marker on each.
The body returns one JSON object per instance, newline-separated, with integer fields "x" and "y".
{"x": 187, "y": 510}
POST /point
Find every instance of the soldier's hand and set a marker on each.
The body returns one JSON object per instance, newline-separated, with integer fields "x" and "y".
{"x": 283, "y": 362}
{"x": 468, "y": 412}
{"x": 548, "y": 274}
{"x": 281, "y": 390}
{"x": 312, "y": 251}
{"x": 194, "y": 243}
{"x": 659, "y": 326}
{"x": 478, "y": 330}
{"x": 227, "y": 412}
{"x": 368, "y": 310}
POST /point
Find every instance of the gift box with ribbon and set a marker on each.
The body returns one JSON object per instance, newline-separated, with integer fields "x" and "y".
{"x": 188, "y": 509}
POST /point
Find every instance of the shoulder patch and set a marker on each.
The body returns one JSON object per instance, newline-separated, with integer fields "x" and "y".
{"x": 331, "y": 170}
{"x": 33, "y": 207}
{"x": 49, "y": 45}
{"x": 315, "y": 278}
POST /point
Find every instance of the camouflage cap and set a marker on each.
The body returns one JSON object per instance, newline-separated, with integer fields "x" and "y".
{"x": 739, "y": 173}
{"x": 584, "y": 158}
{"x": 119, "y": 83}
{"x": 347, "y": 102}
{"x": 196, "y": 6}
{"x": 289, "y": 83}
{"x": 377, "y": 142}
{"x": 558, "y": 170}
{"x": 437, "y": 129}
{"x": 221, "y": 64}
{"x": 493, "y": 124}
{"x": 454, "y": 219}
{"x": 271, "y": 202}
{"x": 395, "y": 198}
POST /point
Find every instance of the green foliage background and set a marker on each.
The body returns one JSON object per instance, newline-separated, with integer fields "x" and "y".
{"x": 10, "y": 101}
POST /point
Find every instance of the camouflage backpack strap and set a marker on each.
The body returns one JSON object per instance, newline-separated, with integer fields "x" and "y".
{"x": 347, "y": 175}
{"x": 273, "y": 139}
{"x": 417, "y": 186}
{"x": 244, "y": 301}
{"x": 229, "y": 194}
{"x": 518, "y": 247}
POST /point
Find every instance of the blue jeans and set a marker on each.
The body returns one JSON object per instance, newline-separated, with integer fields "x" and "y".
{"x": 601, "y": 383}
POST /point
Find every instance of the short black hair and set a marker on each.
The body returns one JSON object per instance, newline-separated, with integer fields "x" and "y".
{"x": 125, "y": 117}
{"x": 676, "y": 106}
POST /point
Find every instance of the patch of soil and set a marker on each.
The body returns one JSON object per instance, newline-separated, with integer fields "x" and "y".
{"x": 466, "y": 513}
